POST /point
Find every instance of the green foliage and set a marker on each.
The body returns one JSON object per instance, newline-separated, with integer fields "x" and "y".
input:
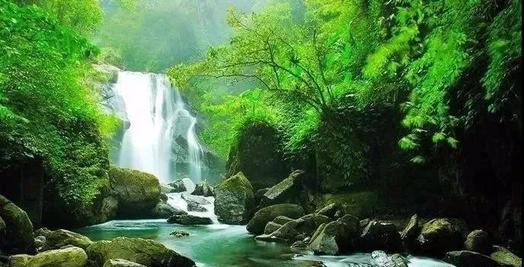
{"x": 417, "y": 56}
{"x": 46, "y": 109}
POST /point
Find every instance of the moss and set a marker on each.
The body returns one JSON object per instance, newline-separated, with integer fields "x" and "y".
{"x": 505, "y": 257}
{"x": 237, "y": 183}
{"x": 361, "y": 204}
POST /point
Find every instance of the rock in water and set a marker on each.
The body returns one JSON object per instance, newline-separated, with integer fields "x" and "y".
{"x": 478, "y": 241}
{"x": 18, "y": 229}
{"x": 204, "y": 189}
{"x": 60, "y": 238}
{"x": 234, "y": 200}
{"x": 179, "y": 233}
{"x": 137, "y": 192}
{"x": 335, "y": 237}
{"x": 257, "y": 224}
{"x": 122, "y": 263}
{"x": 505, "y": 257}
{"x": 163, "y": 210}
{"x": 411, "y": 231}
{"x": 66, "y": 257}
{"x": 466, "y": 258}
{"x": 142, "y": 251}
{"x": 380, "y": 235}
{"x": 189, "y": 220}
{"x": 183, "y": 185}
{"x": 439, "y": 236}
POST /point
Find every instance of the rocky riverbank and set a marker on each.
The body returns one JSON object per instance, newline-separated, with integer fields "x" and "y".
{"x": 20, "y": 246}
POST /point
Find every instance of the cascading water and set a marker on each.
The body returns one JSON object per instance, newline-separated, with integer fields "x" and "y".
{"x": 157, "y": 115}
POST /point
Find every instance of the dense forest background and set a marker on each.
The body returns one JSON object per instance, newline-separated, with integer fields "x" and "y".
{"x": 410, "y": 104}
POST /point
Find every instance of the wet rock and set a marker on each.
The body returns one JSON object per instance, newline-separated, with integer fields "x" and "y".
{"x": 182, "y": 185}
{"x": 163, "y": 210}
{"x": 60, "y": 238}
{"x": 188, "y": 219}
{"x": 122, "y": 263}
{"x": 137, "y": 192}
{"x": 40, "y": 242}
{"x": 204, "y": 189}
{"x": 282, "y": 219}
{"x": 379, "y": 235}
{"x": 505, "y": 257}
{"x": 179, "y": 233}
{"x": 192, "y": 206}
{"x": 263, "y": 216}
{"x": 195, "y": 203}
{"x": 234, "y": 200}
{"x": 465, "y": 258}
{"x": 18, "y": 229}
{"x": 142, "y": 251}
{"x": 439, "y": 236}
{"x": 299, "y": 246}
{"x": 271, "y": 227}
{"x": 411, "y": 231}
{"x": 478, "y": 241}
{"x": 308, "y": 224}
{"x": 286, "y": 189}
{"x": 329, "y": 210}
{"x": 399, "y": 261}
{"x": 335, "y": 237}
{"x": 66, "y": 257}
{"x": 286, "y": 233}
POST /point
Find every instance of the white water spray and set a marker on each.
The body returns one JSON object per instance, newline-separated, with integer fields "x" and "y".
{"x": 157, "y": 115}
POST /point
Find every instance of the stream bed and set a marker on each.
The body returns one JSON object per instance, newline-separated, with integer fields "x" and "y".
{"x": 220, "y": 245}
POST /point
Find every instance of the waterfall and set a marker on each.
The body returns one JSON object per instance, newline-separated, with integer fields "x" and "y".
{"x": 157, "y": 117}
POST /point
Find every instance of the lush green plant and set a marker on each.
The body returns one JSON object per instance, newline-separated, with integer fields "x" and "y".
{"x": 46, "y": 108}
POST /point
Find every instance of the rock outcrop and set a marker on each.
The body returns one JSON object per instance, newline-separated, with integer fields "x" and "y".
{"x": 234, "y": 200}
{"x": 257, "y": 224}
{"x": 137, "y": 192}
{"x": 138, "y": 250}
{"x": 439, "y": 236}
{"x": 65, "y": 257}
{"x": 17, "y": 229}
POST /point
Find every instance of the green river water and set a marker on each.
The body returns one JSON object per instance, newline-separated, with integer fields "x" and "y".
{"x": 222, "y": 245}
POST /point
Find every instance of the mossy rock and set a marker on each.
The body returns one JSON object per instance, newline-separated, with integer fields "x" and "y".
{"x": 362, "y": 204}
{"x": 137, "y": 192}
{"x": 142, "y": 251}
{"x": 60, "y": 238}
{"x": 234, "y": 200}
{"x": 66, "y": 257}
{"x": 439, "y": 236}
{"x": 122, "y": 263}
{"x": 257, "y": 224}
{"x": 505, "y": 257}
{"x": 18, "y": 229}
{"x": 257, "y": 153}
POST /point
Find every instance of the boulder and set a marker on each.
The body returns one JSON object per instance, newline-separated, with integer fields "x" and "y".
{"x": 478, "y": 241}
{"x": 286, "y": 189}
{"x": 282, "y": 219}
{"x": 182, "y": 185}
{"x": 411, "y": 231}
{"x": 188, "y": 219}
{"x": 285, "y": 233}
{"x": 122, "y": 263}
{"x": 60, "y": 238}
{"x": 137, "y": 192}
{"x": 234, "y": 200}
{"x": 465, "y": 258}
{"x": 18, "y": 229}
{"x": 399, "y": 261}
{"x": 329, "y": 210}
{"x": 162, "y": 210}
{"x": 179, "y": 233}
{"x": 195, "y": 203}
{"x": 142, "y": 251}
{"x": 505, "y": 257}
{"x": 439, "y": 236}
{"x": 262, "y": 217}
{"x": 335, "y": 237}
{"x": 65, "y": 257}
{"x": 271, "y": 227}
{"x": 204, "y": 189}
{"x": 308, "y": 224}
{"x": 379, "y": 235}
